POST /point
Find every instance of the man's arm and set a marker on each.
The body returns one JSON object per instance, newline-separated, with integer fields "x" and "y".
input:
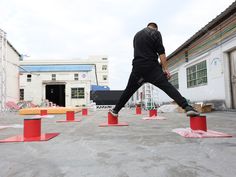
{"x": 164, "y": 65}
{"x": 162, "y": 55}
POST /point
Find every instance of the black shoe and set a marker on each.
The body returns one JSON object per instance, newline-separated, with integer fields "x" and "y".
{"x": 114, "y": 113}
{"x": 190, "y": 111}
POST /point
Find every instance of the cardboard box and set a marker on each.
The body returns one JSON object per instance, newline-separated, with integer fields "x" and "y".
{"x": 180, "y": 110}
{"x": 203, "y": 108}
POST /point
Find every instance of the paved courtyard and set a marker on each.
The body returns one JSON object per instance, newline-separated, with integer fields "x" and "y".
{"x": 142, "y": 149}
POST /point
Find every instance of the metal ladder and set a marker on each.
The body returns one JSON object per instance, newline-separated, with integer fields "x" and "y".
{"x": 148, "y": 96}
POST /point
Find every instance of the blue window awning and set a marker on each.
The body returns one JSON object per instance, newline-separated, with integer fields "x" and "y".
{"x": 54, "y": 68}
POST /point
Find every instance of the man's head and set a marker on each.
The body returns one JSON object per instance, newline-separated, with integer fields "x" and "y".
{"x": 152, "y": 25}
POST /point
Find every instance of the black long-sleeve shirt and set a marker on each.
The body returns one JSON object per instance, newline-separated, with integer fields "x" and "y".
{"x": 147, "y": 46}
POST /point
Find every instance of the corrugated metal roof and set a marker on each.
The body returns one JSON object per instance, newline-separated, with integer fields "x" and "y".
{"x": 224, "y": 15}
{"x": 54, "y": 68}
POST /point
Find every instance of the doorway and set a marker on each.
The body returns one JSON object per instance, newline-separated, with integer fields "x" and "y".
{"x": 232, "y": 63}
{"x": 56, "y": 94}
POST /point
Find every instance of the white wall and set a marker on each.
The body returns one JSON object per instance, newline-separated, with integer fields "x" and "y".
{"x": 35, "y": 90}
{"x": 81, "y": 101}
{"x": 228, "y": 47}
{"x": 217, "y": 87}
{"x": 12, "y": 75}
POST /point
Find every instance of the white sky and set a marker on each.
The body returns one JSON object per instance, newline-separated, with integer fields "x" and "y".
{"x": 62, "y": 29}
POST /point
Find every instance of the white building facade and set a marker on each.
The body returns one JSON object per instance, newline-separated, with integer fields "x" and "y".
{"x": 62, "y": 82}
{"x": 203, "y": 69}
{"x": 9, "y": 72}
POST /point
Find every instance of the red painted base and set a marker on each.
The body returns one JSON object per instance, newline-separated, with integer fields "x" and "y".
{"x": 106, "y": 124}
{"x": 189, "y": 133}
{"x": 44, "y": 116}
{"x": 75, "y": 120}
{"x": 154, "y": 118}
{"x": 20, "y": 138}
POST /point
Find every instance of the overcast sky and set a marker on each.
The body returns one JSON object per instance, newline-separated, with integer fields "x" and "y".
{"x": 69, "y": 29}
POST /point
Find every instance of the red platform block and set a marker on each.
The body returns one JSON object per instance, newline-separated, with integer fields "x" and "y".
{"x": 198, "y": 123}
{"x": 152, "y": 113}
{"x": 138, "y": 110}
{"x": 84, "y": 111}
{"x": 43, "y": 112}
{"x": 32, "y": 132}
{"x": 112, "y": 121}
{"x": 70, "y": 117}
{"x": 198, "y": 129}
{"x": 153, "y": 116}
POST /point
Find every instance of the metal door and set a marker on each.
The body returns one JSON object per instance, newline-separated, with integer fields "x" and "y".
{"x": 233, "y": 77}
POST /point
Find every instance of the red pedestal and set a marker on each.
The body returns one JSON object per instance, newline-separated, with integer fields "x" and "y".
{"x": 32, "y": 128}
{"x": 152, "y": 113}
{"x": 43, "y": 112}
{"x": 153, "y": 116}
{"x": 84, "y": 112}
{"x": 198, "y": 123}
{"x": 112, "y": 121}
{"x": 32, "y": 132}
{"x": 70, "y": 117}
{"x": 138, "y": 110}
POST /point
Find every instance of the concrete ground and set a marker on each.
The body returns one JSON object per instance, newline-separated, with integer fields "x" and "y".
{"x": 143, "y": 149}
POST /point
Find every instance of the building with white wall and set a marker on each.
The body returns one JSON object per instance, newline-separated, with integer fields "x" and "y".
{"x": 63, "y": 82}
{"x": 203, "y": 69}
{"x": 9, "y": 72}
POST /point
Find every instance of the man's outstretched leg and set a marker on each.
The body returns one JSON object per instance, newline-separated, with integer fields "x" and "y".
{"x": 172, "y": 92}
{"x": 134, "y": 83}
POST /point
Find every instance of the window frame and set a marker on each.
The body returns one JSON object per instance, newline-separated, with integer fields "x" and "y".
{"x": 197, "y": 74}
{"x": 76, "y": 76}
{"x": 175, "y": 79}
{"x": 53, "y": 77}
{"x": 105, "y": 77}
{"x": 22, "y": 95}
{"x": 77, "y": 95}
{"x": 104, "y": 67}
{"x": 29, "y": 77}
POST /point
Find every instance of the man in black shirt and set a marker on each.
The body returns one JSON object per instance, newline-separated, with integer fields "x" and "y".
{"x": 146, "y": 68}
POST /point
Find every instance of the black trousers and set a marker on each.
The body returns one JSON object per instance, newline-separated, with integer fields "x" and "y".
{"x": 155, "y": 76}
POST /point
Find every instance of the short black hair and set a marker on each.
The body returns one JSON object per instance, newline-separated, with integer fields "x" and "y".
{"x": 152, "y": 24}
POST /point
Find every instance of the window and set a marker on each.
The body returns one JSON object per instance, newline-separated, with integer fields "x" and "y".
{"x": 104, "y": 67}
{"x": 28, "y": 77}
{"x": 197, "y": 75}
{"x": 77, "y": 92}
{"x": 54, "y": 77}
{"x": 137, "y": 95}
{"x": 104, "y": 77}
{"x": 21, "y": 94}
{"x": 76, "y": 76}
{"x": 174, "y": 80}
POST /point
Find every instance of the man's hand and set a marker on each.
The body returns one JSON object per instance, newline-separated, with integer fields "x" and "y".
{"x": 167, "y": 74}
{"x": 164, "y": 66}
